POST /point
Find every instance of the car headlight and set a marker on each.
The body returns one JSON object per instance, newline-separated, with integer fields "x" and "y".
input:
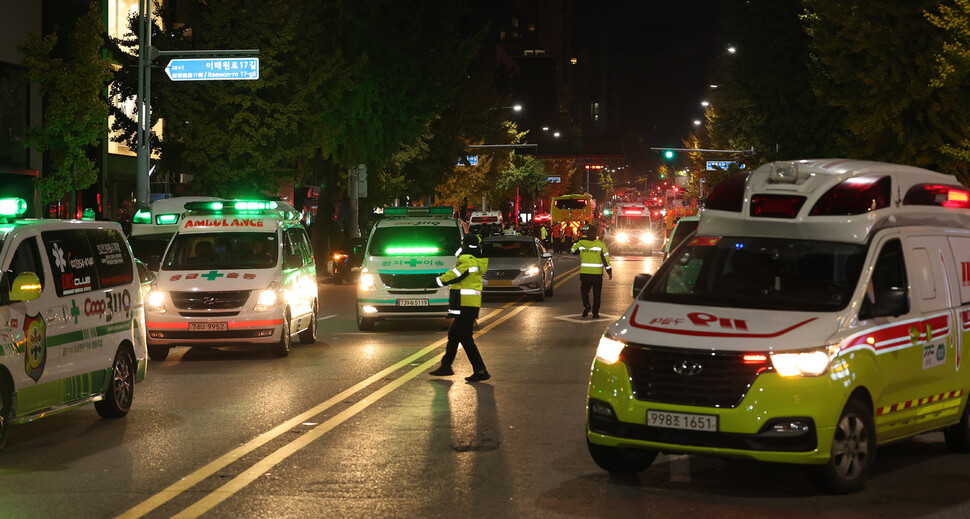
{"x": 268, "y": 298}
{"x": 805, "y": 363}
{"x": 622, "y": 237}
{"x": 532, "y": 271}
{"x": 609, "y": 350}
{"x": 155, "y": 302}
{"x": 367, "y": 283}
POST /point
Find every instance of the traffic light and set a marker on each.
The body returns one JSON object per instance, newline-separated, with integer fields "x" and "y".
{"x": 668, "y": 154}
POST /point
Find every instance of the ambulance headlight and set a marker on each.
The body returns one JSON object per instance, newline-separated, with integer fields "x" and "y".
{"x": 622, "y": 237}
{"x": 805, "y": 363}
{"x": 155, "y": 302}
{"x": 647, "y": 238}
{"x": 367, "y": 283}
{"x": 268, "y": 298}
{"x": 609, "y": 350}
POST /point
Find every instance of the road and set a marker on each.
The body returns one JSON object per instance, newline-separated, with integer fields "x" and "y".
{"x": 353, "y": 426}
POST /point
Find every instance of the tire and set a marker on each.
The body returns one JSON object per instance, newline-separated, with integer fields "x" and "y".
{"x": 309, "y": 336}
{"x": 121, "y": 384}
{"x": 551, "y": 283}
{"x": 282, "y": 348}
{"x": 958, "y": 435}
{"x": 158, "y": 352}
{"x": 6, "y": 411}
{"x": 853, "y": 452}
{"x": 364, "y": 324}
{"x": 621, "y": 461}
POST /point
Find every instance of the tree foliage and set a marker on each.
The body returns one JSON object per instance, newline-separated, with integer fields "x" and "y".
{"x": 72, "y": 79}
{"x": 954, "y": 65}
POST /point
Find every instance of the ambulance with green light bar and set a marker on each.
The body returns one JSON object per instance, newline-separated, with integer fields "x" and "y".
{"x": 71, "y": 320}
{"x": 154, "y": 226}
{"x": 406, "y": 251}
{"x": 821, "y": 310}
{"x": 236, "y": 272}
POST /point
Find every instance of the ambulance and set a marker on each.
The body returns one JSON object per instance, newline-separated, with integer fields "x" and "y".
{"x": 70, "y": 317}
{"x": 821, "y": 310}
{"x": 406, "y": 251}
{"x": 236, "y": 272}
{"x": 633, "y": 229}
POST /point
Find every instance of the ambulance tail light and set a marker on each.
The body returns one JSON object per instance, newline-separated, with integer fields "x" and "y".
{"x": 728, "y": 195}
{"x": 805, "y": 363}
{"x": 608, "y": 350}
{"x": 776, "y": 206}
{"x": 855, "y": 196}
{"x": 938, "y": 195}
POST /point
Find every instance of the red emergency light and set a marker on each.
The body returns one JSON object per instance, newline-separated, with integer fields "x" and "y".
{"x": 632, "y": 211}
{"x": 938, "y": 194}
{"x": 856, "y": 195}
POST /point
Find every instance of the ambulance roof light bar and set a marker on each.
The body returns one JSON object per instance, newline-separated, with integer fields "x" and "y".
{"x": 232, "y": 206}
{"x": 438, "y": 210}
{"x": 12, "y": 208}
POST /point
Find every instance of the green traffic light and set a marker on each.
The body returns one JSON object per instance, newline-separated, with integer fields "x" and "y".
{"x": 668, "y": 154}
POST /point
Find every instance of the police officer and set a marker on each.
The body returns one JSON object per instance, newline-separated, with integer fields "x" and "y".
{"x": 593, "y": 258}
{"x": 544, "y": 235}
{"x": 464, "y": 302}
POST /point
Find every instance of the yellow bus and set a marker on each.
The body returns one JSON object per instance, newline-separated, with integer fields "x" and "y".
{"x": 573, "y": 209}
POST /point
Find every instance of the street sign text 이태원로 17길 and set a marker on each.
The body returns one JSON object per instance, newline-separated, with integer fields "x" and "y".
{"x": 213, "y": 69}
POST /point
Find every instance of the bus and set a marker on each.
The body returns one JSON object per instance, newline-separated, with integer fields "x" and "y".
{"x": 573, "y": 209}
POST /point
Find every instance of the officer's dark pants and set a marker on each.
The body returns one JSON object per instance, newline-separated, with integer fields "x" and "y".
{"x": 586, "y": 282}
{"x": 557, "y": 245}
{"x": 461, "y": 333}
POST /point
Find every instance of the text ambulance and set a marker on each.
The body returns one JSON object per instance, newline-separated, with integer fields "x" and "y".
{"x": 70, "y": 317}
{"x": 822, "y": 309}
{"x": 154, "y": 226}
{"x": 406, "y": 251}
{"x": 236, "y": 272}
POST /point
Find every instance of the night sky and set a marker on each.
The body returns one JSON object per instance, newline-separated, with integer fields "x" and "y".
{"x": 662, "y": 57}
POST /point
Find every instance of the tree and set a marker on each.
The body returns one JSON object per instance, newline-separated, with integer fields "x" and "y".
{"x": 876, "y": 64}
{"x": 72, "y": 81}
{"x": 954, "y": 63}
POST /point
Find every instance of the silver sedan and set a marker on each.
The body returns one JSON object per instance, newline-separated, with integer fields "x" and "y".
{"x": 517, "y": 265}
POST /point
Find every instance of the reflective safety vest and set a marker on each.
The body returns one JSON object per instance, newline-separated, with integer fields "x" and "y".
{"x": 543, "y": 232}
{"x": 466, "y": 283}
{"x": 593, "y": 256}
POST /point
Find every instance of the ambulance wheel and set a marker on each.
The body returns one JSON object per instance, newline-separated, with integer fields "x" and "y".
{"x": 364, "y": 324}
{"x": 158, "y": 352}
{"x": 853, "y": 452}
{"x": 620, "y": 461}
{"x": 118, "y": 396}
{"x": 6, "y": 411}
{"x": 309, "y": 336}
{"x": 958, "y": 435}
{"x": 282, "y": 348}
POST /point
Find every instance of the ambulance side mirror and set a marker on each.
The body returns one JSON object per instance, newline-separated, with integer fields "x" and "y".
{"x": 639, "y": 282}
{"x": 892, "y": 301}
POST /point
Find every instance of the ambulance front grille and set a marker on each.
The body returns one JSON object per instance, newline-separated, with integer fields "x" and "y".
{"x": 210, "y": 300}
{"x": 689, "y": 377}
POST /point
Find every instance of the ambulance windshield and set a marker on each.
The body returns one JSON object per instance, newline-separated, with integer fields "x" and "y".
{"x": 223, "y": 250}
{"x": 764, "y": 273}
{"x": 417, "y": 239}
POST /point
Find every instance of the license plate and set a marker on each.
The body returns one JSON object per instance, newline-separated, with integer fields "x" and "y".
{"x": 209, "y": 327}
{"x": 688, "y": 421}
{"x": 499, "y": 282}
{"x": 412, "y": 302}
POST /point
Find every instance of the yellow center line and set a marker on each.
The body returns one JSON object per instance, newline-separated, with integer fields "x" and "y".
{"x": 218, "y": 464}
{"x": 242, "y": 480}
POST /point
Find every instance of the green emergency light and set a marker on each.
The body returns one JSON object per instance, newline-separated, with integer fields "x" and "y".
{"x": 142, "y": 216}
{"x": 411, "y": 250}
{"x": 395, "y": 211}
{"x": 166, "y": 219}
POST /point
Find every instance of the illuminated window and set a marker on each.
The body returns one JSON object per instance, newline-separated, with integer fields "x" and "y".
{"x": 573, "y": 61}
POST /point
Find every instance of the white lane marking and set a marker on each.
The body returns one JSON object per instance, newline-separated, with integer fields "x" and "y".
{"x": 578, "y": 318}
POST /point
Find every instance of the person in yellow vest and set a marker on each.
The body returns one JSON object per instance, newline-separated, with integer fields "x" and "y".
{"x": 544, "y": 235}
{"x": 593, "y": 259}
{"x": 464, "y": 302}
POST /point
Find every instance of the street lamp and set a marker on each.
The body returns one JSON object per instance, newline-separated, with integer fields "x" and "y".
{"x": 517, "y": 108}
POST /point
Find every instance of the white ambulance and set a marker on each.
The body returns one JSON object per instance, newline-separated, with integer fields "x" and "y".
{"x": 406, "y": 251}
{"x": 821, "y": 310}
{"x": 236, "y": 272}
{"x": 70, "y": 317}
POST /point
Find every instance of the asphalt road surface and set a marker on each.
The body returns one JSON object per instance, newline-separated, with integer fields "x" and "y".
{"x": 353, "y": 426}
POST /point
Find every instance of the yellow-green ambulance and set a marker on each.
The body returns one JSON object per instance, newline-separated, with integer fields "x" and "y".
{"x": 821, "y": 310}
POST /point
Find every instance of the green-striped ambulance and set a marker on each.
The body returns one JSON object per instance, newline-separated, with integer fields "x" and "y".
{"x": 406, "y": 251}
{"x": 71, "y": 319}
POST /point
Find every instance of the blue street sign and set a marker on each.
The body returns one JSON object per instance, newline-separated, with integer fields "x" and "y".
{"x": 212, "y": 69}
{"x": 472, "y": 160}
{"x": 553, "y": 179}
{"x": 721, "y": 164}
